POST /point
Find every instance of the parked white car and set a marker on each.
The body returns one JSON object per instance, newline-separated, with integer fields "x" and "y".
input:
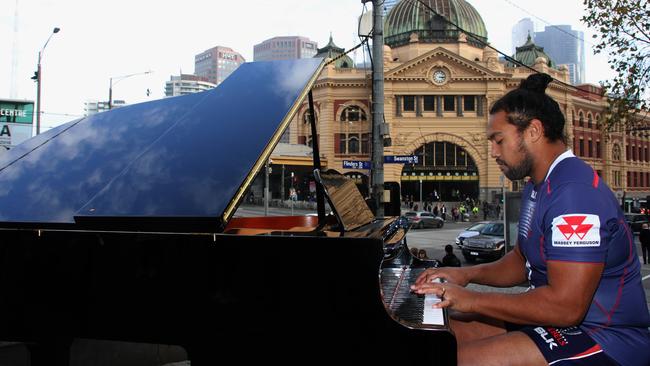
{"x": 470, "y": 231}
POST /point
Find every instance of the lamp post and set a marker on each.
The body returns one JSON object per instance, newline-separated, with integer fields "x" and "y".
{"x": 267, "y": 171}
{"x": 37, "y": 77}
{"x": 420, "y": 208}
{"x": 117, "y": 80}
{"x": 291, "y": 194}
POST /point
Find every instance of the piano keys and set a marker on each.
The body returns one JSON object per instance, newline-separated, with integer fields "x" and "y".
{"x": 415, "y": 310}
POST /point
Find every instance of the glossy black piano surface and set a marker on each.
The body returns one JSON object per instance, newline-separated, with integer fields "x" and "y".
{"x": 120, "y": 227}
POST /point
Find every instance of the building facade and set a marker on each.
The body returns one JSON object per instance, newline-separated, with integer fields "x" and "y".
{"x": 217, "y": 63}
{"x": 567, "y": 47}
{"x": 186, "y": 84}
{"x": 284, "y": 48}
{"x": 439, "y": 85}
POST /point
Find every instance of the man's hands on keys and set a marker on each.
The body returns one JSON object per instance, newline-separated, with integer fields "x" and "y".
{"x": 451, "y": 291}
{"x": 453, "y": 275}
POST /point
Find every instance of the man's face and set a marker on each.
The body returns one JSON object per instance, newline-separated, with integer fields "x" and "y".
{"x": 508, "y": 147}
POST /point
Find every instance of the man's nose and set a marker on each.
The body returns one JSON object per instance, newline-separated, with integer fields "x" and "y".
{"x": 494, "y": 150}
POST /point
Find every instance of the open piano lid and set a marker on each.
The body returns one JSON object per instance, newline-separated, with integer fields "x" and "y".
{"x": 171, "y": 165}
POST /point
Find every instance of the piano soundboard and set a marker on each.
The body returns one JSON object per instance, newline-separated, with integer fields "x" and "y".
{"x": 411, "y": 309}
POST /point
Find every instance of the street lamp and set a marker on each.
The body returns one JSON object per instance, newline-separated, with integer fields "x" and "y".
{"x": 420, "y": 208}
{"x": 37, "y": 77}
{"x": 117, "y": 80}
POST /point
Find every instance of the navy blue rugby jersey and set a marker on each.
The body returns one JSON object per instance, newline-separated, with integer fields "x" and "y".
{"x": 573, "y": 216}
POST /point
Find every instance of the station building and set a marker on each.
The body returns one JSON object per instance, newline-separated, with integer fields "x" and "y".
{"x": 439, "y": 85}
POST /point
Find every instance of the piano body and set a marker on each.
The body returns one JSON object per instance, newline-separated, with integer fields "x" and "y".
{"x": 120, "y": 227}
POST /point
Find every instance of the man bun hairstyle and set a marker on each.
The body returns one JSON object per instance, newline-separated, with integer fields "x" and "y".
{"x": 536, "y": 83}
{"x": 529, "y": 101}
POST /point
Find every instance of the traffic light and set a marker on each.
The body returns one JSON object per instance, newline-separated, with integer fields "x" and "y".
{"x": 35, "y": 77}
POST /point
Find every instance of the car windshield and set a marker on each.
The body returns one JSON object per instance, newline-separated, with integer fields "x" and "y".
{"x": 493, "y": 229}
{"x": 476, "y": 227}
{"x": 410, "y": 214}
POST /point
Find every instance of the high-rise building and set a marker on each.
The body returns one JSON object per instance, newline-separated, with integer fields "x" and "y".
{"x": 217, "y": 63}
{"x": 566, "y": 47}
{"x": 93, "y": 106}
{"x": 520, "y": 33}
{"x": 186, "y": 84}
{"x": 284, "y": 48}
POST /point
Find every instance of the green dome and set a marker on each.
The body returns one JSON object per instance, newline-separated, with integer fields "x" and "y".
{"x": 412, "y": 17}
{"x": 528, "y": 54}
{"x": 333, "y": 51}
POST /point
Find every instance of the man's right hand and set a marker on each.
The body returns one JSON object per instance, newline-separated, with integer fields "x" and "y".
{"x": 455, "y": 275}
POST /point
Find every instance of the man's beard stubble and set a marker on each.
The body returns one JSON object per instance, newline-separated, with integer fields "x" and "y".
{"x": 524, "y": 168}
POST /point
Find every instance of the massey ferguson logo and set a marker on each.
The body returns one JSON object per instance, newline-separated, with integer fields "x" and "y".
{"x": 576, "y": 230}
{"x": 574, "y": 226}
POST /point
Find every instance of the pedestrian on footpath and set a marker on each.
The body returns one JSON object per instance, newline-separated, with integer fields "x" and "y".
{"x": 644, "y": 238}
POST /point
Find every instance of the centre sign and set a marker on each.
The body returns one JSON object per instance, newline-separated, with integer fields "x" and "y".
{"x": 16, "y": 120}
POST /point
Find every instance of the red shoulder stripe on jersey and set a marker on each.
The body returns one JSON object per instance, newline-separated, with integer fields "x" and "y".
{"x": 548, "y": 186}
{"x": 596, "y": 179}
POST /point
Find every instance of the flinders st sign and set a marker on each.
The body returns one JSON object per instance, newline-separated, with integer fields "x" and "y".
{"x": 16, "y": 120}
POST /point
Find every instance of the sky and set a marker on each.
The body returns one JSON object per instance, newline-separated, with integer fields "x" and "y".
{"x": 100, "y": 40}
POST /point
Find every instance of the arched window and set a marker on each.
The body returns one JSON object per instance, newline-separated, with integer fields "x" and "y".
{"x": 616, "y": 152}
{"x": 306, "y": 117}
{"x": 589, "y": 124}
{"x": 353, "y": 114}
{"x": 353, "y": 145}
{"x": 598, "y": 121}
{"x": 581, "y": 119}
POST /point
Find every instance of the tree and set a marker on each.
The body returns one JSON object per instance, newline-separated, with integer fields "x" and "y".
{"x": 624, "y": 33}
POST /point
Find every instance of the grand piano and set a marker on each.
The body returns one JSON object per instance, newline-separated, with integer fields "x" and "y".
{"x": 121, "y": 227}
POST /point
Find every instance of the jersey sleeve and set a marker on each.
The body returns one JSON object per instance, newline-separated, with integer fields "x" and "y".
{"x": 576, "y": 224}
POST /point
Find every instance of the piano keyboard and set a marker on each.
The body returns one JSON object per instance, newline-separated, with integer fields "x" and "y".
{"x": 406, "y": 305}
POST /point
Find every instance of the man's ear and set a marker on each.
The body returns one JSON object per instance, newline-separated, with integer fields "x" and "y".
{"x": 535, "y": 130}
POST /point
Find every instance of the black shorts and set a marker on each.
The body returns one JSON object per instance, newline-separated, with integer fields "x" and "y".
{"x": 565, "y": 346}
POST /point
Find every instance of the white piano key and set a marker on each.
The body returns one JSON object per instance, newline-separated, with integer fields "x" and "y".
{"x": 431, "y": 315}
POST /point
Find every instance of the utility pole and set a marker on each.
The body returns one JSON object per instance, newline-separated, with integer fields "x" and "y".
{"x": 38, "y": 77}
{"x": 378, "y": 125}
{"x": 267, "y": 171}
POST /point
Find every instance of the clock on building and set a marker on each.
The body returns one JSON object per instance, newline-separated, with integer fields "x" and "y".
{"x": 439, "y": 77}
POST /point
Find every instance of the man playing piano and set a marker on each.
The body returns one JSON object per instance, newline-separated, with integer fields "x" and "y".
{"x": 585, "y": 304}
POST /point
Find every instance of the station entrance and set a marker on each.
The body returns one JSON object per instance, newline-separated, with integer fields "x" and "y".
{"x": 444, "y": 172}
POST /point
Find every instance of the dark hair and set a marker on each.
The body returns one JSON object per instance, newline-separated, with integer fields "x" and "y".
{"x": 449, "y": 248}
{"x": 529, "y": 102}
